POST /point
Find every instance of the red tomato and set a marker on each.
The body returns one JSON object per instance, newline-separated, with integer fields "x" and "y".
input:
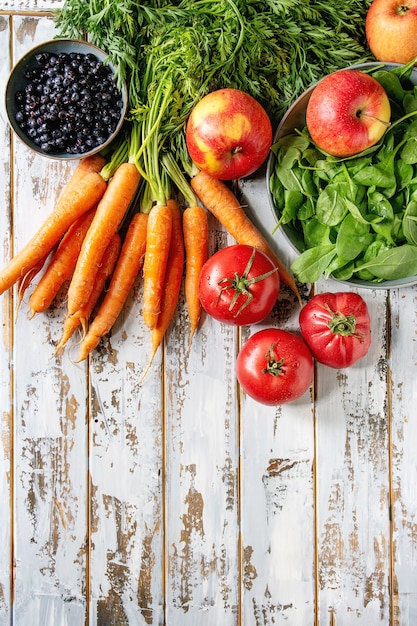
{"x": 274, "y": 366}
{"x": 336, "y": 327}
{"x": 239, "y": 285}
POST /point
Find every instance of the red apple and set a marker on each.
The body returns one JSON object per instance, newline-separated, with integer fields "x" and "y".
{"x": 391, "y": 30}
{"x": 229, "y": 134}
{"x": 348, "y": 111}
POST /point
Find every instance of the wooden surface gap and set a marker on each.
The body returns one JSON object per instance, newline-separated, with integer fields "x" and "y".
{"x": 164, "y": 477}
{"x": 89, "y": 499}
{"x": 390, "y": 504}
{"x": 239, "y": 491}
{"x": 32, "y": 13}
{"x": 12, "y": 313}
{"x": 315, "y": 504}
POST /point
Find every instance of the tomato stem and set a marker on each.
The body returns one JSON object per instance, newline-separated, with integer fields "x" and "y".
{"x": 341, "y": 324}
{"x": 241, "y": 284}
{"x": 273, "y": 366}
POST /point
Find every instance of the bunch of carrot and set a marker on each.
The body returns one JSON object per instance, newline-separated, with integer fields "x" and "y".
{"x": 81, "y": 238}
{"x": 98, "y": 241}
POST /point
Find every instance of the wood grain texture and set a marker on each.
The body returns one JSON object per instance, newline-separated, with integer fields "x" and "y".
{"x": 202, "y": 470}
{"x": 277, "y": 478}
{"x": 6, "y": 347}
{"x": 402, "y": 363}
{"x": 49, "y": 428}
{"x": 179, "y": 500}
{"x": 126, "y": 468}
{"x": 29, "y": 6}
{"x": 353, "y": 483}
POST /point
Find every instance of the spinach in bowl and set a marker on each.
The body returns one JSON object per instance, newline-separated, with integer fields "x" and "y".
{"x": 353, "y": 219}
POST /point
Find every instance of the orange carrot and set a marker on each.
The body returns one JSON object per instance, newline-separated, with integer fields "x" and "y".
{"x": 24, "y": 282}
{"x": 93, "y": 163}
{"x": 172, "y": 281}
{"x": 124, "y": 275}
{"x": 107, "y": 219}
{"x": 81, "y": 317}
{"x": 195, "y": 227}
{"x": 69, "y": 207}
{"x": 158, "y": 239}
{"x": 61, "y": 265}
{"x": 220, "y": 200}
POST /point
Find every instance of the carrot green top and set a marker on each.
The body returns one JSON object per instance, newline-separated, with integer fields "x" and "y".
{"x": 172, "y": 54}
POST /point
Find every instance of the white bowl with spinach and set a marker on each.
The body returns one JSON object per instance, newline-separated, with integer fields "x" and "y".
{"x": 352, "y": 219}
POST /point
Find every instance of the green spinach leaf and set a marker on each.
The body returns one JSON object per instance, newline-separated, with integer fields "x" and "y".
{"x": 312, "y": 263}
{"x": 394, "y": 263}
{"x": 409, "y": 224}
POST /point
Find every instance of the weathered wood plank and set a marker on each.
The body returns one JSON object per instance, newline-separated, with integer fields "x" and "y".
{"x": 50, "y": 430}
{"x": 126, "y": 468}
{"x": 278, "y": 513}
{"x": 353, "y": 532}
{"x": 403, "y": 407}
{"x": 28, "y": 6}
{"x": 202, "y": 467}
{"x": 6, "y": 347}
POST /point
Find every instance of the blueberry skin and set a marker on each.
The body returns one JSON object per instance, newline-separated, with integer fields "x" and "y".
{"x": 70, "y": 103}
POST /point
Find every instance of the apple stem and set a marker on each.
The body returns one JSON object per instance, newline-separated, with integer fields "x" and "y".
{"x": 402, "y": 9}
{"x": 376, "y": 119}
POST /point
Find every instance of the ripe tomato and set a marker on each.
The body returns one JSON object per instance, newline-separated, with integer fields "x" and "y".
{"x": 239, "y": 285}
{"x": 274, "y": 366}
{"x": 336, "y": 327}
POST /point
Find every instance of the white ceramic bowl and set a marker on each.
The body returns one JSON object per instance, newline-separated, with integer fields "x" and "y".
{"x": 295, "y": 118}
{"x": 18, "y": 80}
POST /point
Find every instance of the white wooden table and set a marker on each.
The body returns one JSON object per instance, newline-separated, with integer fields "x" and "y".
{"x": 180, "y": 501}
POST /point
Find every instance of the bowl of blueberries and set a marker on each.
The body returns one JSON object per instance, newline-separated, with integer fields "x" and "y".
{"x": 63, "y": 101}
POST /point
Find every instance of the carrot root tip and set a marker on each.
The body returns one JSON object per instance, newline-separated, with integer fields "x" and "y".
{"x": 148, "y": 367}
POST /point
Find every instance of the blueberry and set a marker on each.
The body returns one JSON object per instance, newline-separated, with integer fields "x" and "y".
{"x": 70, "y": 103}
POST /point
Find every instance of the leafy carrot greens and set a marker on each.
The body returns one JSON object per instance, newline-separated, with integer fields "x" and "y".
{"x": 272, "y": 49}
{"x": 353, "y": 217}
